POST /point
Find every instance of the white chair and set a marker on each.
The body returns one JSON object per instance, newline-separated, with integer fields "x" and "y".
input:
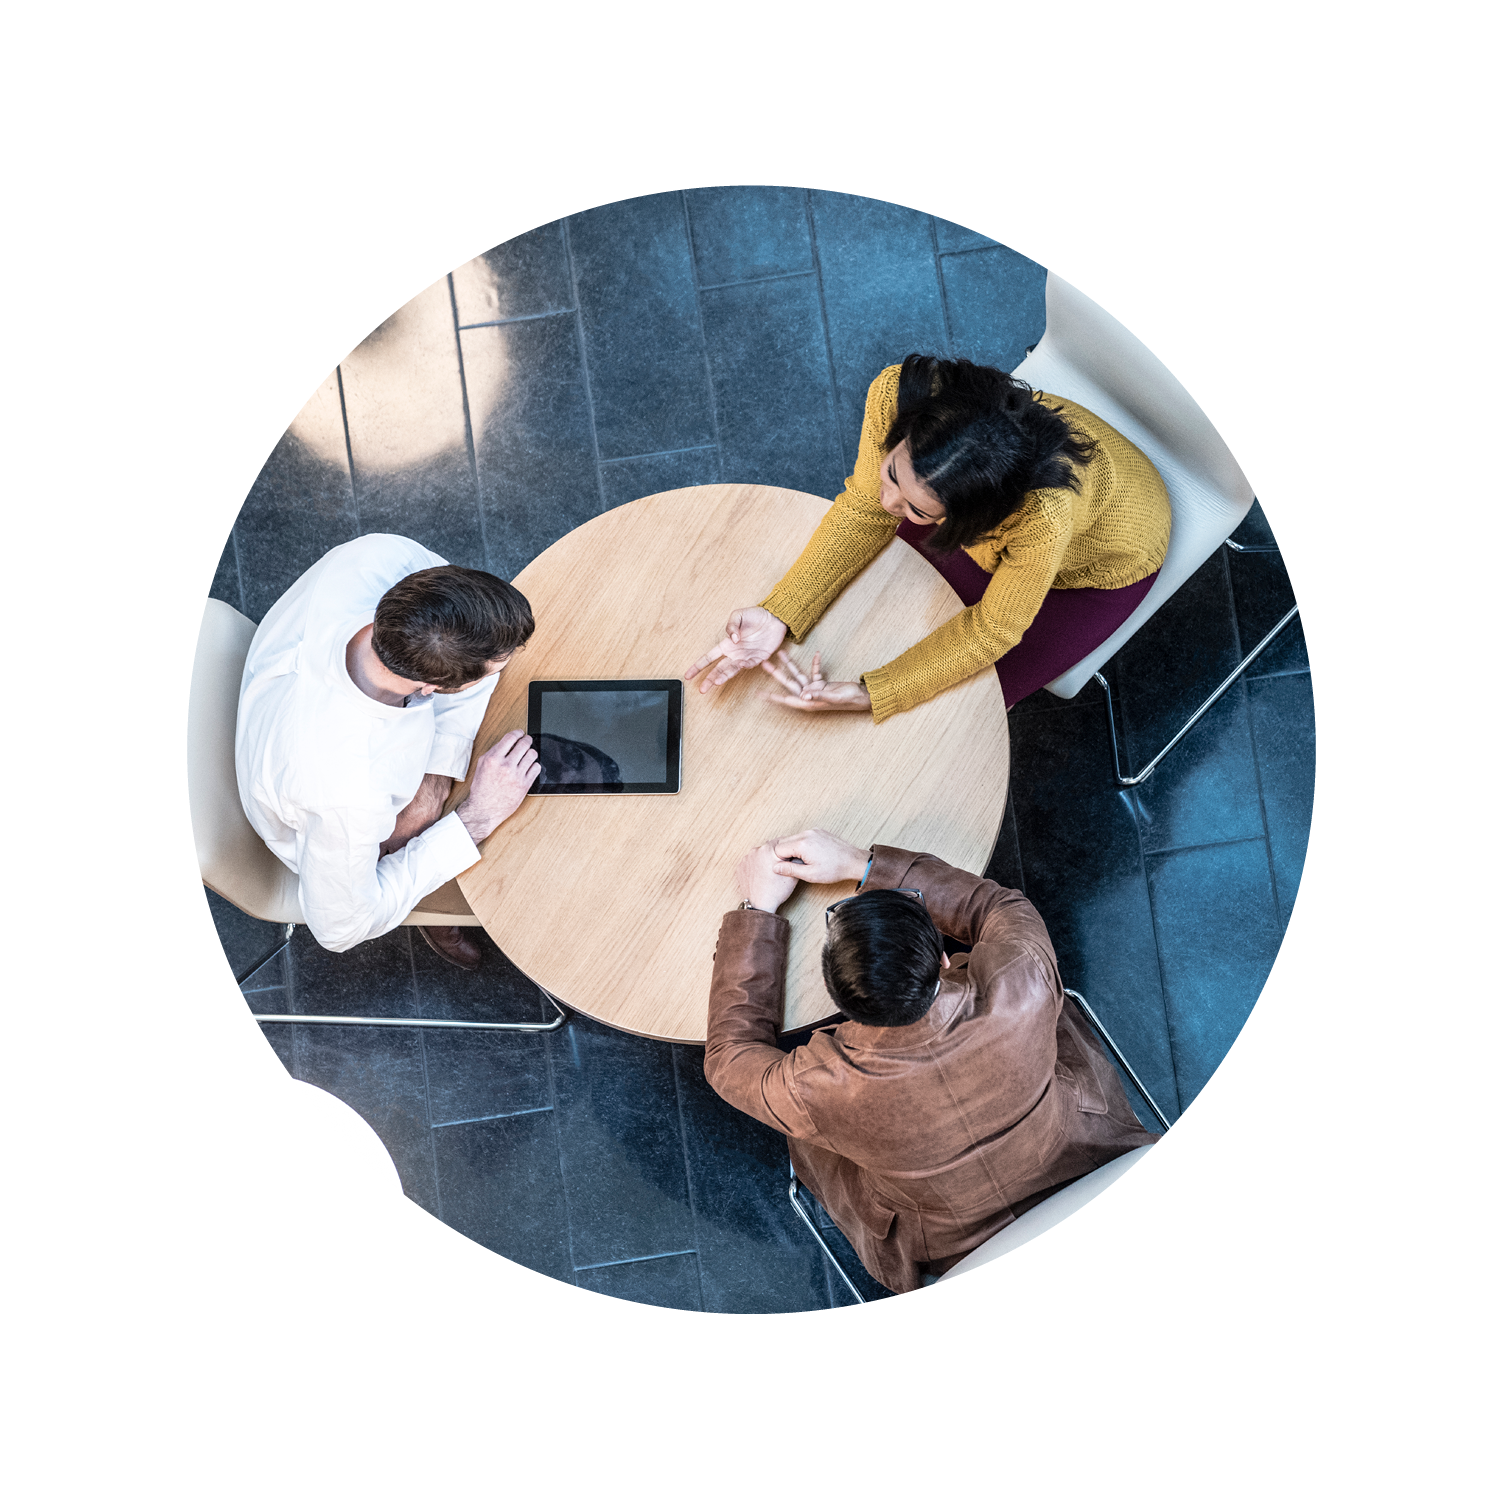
{"x": 1086, "y": 356}
{"x": 232, "y": 858}
{"x": 1048, "y": 1212}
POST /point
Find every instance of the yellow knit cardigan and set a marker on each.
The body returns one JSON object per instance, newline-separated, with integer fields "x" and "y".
{"x": 1111, "y": 533}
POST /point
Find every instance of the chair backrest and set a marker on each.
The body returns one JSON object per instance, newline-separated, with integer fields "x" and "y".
{"x": 233, "y": 859}
{"x": 1086, "y": 356}
{"x": 1048, "y": 1212}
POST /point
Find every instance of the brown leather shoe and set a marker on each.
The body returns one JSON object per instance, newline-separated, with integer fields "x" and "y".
{"x": 453, "y": 944}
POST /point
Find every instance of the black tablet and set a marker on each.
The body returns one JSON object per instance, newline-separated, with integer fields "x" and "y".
{"x": 606, "y": 736}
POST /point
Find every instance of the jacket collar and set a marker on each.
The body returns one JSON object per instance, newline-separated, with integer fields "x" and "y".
{"x": 954, "y": 999}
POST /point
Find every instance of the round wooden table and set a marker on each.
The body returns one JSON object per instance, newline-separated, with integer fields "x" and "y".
{"x": 613, "y": 902}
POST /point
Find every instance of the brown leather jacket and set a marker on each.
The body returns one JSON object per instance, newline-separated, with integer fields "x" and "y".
{"x": 922, "y": 1141}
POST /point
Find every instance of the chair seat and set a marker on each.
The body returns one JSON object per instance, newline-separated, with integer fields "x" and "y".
{"x": 1087, "y": 357}
{"x": 1049, "y": 1211}
{"x": 233, "y": 859}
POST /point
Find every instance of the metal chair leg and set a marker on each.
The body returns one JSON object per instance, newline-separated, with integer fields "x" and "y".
{"x": 562, "y": 1018}
{"x": 279, "y": 948}
{"x": 1109, "y": 705}
{"x": 1235, "y": 546}
{"x": 562, "y": 1011}
{"x": 1119, "y": 1056}
{"x": 806, "y": 1218}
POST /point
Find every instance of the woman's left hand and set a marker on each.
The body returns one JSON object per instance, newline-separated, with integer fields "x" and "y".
{"x": 811, "y": 692}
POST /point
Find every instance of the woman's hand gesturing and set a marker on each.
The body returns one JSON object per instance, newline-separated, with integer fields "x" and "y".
{"x": 811, "y": 692}
{"x": 749, "y": 638}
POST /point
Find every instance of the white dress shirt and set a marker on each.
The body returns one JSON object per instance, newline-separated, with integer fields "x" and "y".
{"x": 324, "y": 769}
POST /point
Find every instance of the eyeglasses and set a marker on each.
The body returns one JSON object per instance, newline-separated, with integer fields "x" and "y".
{"x": 901, "y": 890}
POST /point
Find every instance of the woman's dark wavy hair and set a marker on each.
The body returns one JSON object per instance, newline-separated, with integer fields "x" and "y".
{"x": 980, "y": 441}
{"x": 882, "y": 958}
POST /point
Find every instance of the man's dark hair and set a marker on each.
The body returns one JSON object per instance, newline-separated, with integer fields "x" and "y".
{"x": 980, "y": 441}
{"x": 882, "y": 958}
{"x": 446, "y": 625}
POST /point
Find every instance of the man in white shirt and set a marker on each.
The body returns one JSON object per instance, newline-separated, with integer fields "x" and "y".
{"x": 362, "y": 693}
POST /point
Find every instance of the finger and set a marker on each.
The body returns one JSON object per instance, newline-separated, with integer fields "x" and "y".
{"x": 727, "y": 669}
{"x": 782, "y": 867}
{"x": 791, "y": 665}
{"x": 501, "y": 747}
{"x": 707, "y": 659}
{"x": 791, "y": 701}
{"x": 781, "y": 677}
{"x": 527, "y": 760}
{"x": 518, "y": 748}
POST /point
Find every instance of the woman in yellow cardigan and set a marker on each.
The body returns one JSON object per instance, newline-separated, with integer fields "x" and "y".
{"x": 1049, "y": 524}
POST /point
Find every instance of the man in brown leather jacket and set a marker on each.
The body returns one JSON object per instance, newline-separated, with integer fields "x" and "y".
{"x": 954, "y": 1097}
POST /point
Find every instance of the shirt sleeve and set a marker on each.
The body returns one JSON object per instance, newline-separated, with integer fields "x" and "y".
{"x": 977, "y": 637}
{"x": 854, "y": 531}
{"x": 456, "y": 718}
{"x": 350, "y": 894}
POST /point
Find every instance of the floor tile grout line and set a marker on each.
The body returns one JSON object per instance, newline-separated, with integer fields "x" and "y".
{"x": 1248, "y": 838}
{"x": 463, "y": 395}
{"x": 972, "y": 249}
{"x": 1269, "y": 676}
{"x": 719, "y": 286}
{"x": 1133, "y": 805}
{"x": 1242, "y": 691}
{"x": 588, "y": 394}
{"x": 626, "y": 458}
{"x": 515, "y": 1114}
{"x": 239, "y": 572}
{"x": 338, "y": 371}
{"x": 555, "y": 312}
{"x": 833, "y": 375}
{"x": 1265, "y": 821}
{"x": 437, "y": 1176}
{"x": 1016, "y": 824}
{"x": 556, "y": 1113}
{"x": 687, "y": 1168}
{"x": 708, "y": 372}
{"x": 634, "y": 1260}
{"x": 937, "y": 267}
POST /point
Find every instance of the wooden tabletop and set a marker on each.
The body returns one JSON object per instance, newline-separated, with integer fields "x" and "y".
{"x": 613, "y": 902}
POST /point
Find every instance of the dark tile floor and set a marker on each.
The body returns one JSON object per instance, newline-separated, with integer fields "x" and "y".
{"x": 729, "y": 334}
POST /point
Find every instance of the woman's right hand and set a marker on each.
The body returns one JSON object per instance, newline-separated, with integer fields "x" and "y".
{"x": 749, "y": 639}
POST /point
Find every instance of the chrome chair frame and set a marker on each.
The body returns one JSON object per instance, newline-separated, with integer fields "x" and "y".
{"x": 1109, "y": 703}
{"x": 1104, "y": 1036}
{"x": 563, "y": 1013}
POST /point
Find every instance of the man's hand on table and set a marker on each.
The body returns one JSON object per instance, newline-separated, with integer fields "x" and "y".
{"x": 758, "y": 881}
{"x": 769, "y": 873}
{"x": 749, "y": 638}
{"x": 811, "y": 692}
{"x": 819, "y": 857}
{"x": 499, "y": 785}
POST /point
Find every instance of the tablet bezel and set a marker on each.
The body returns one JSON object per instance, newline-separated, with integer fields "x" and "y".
{"x": 672, "y": 686}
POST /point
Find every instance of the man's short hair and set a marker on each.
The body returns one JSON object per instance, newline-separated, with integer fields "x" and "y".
{"x": 882, "y": 958}
{"x": 446, "y": 625}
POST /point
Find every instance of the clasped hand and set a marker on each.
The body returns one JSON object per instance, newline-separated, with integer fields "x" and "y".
{"x": 769, "y": 873}
{"x": 752, "y": 638}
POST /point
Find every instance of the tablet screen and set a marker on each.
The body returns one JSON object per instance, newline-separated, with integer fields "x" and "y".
{"x": 606, "y": 736}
